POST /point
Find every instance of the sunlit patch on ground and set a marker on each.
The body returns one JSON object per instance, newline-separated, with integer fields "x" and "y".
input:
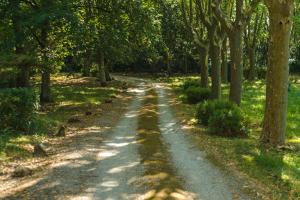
{"x": 277, "y": 170}
{"x": 159, "y": 177}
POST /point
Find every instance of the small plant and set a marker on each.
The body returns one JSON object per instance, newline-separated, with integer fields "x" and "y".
{"x": 206, "y": 109}
{"x": 197, "y": 94}
{"x": 228, "y": 122}
{"x": 190, "y": 83}
{"x": 17, "y": 108}
{"x": 222, "y": 118}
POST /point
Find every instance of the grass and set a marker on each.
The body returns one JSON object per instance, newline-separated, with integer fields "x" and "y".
{"x": 278, "y": 170}
{"x": 73, "y": 96}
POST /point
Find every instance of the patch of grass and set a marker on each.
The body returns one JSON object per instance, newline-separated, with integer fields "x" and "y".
{"x": 73, "y": 96}
{"x": 277, "y": 170}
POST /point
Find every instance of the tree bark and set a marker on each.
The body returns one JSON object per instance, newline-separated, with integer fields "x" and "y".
{"x": 224, "y": 65}
{"x": 23, "y": 74}
{"x": 185, "y": 64}
{"x": 280, "y": 17}
{"x": 169, "y": 69}
{"x": 101, "y": 69}
{"x": 87, "y": 64}
{"x": 204, "y": 67}
{"x": 215, "y": 52}
{"x": 45, "y": 96}
{"x": 235, "y": 42}
{"x": 107, "y": 74}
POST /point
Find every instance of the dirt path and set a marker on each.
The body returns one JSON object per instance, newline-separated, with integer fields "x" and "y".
{"x": 147, "y": 155}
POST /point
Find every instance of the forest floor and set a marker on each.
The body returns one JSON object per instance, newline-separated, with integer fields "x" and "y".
{"x": 74, "y": 97}
{"x": 137, "y": 147}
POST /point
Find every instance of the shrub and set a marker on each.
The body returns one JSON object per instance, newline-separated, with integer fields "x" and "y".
{"x": 17, "y": 108}
{"x": 197, "y": 94}
{"x": 222, "y": 117}
{"x": 8, "y": 77}
{"x": 190, "y": 83}
{"x": 227, "y": 122}
{"x": 206, "y": 109}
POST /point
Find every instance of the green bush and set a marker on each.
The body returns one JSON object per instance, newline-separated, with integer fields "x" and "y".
{"x": 222, "y": 118}
{"x": 196, "y": 94}
{"x": 8, "y": 77}
{"x": 17, "y": 109}
{"x": 190, "y": 83}
{"x": 227, "y": 122}
{"x": 206, "y": 109}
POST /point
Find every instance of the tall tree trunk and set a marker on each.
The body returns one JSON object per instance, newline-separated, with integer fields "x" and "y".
{"x": 252, "y": 67}
{"x": 24, "y": 76}
{"x": 280, "y": 16}
{"x": 169, "y": 69}
{"x": 107, "y": 74}
{"x": 24, "y": 68}
{"x": 204, "y": 67}
{"x": 45, "y": 96}
{"x": 101, "y": 69}
{"x": 185, "y": 64}
{"x": 87, "y": 64}
{"x": 224, "y": 67}
{"x": 235, "y": 42}
{"x": 215, "y": 57}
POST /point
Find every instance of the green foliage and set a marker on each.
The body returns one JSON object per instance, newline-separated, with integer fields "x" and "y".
{"x": 228, "y": 122}
{"x": 17, "y": 108}
{"x": 190, "y": 83}
{"x": 8, "y": 77}
{"x": 222, "y": 118}
{"x": 196, "y": 94}
{"x": 206, "y": 109}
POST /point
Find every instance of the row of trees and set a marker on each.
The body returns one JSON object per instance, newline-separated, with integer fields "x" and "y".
{"x": 43, "y": 36}
{"x": 212, "y": 22}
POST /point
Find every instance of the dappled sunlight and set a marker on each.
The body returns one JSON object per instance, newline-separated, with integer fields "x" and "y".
{"x": 167, "y": 193}
{"x": 122, "y": 168}
{"x": 159, "y": 177}
{"x": 118, "y": 144}
{"x": 107, "y": 154}
{"x": 195, "y": 168}
{"x": 110, "y": 184}
{"x": 136, "y": 90}
{"x": 109, "y": 167}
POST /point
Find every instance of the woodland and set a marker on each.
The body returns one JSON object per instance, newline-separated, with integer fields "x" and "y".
{"x": 234, "y": 66}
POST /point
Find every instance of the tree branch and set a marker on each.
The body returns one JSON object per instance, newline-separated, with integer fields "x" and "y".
{"x": 222, "y": 17}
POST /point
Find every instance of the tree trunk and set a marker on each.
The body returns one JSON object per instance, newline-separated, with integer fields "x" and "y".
{"x": 169, "y": 69}
{"x": 185, "y": 64}
{"x": 87, "y": 65}
{"x": 216, "y": 70}
{"x": 224, "y": 67}
{"x": 235, "y": 42}
{"x": 252, "y": 67}
{"x": 45, "y": 96}
{"x": 204, "y": 67}
{"x": 24, "y": 76}
{"x": 280, "y": 16}
{"x": 101, "y": 69}
{"x": 107, "y": 74}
